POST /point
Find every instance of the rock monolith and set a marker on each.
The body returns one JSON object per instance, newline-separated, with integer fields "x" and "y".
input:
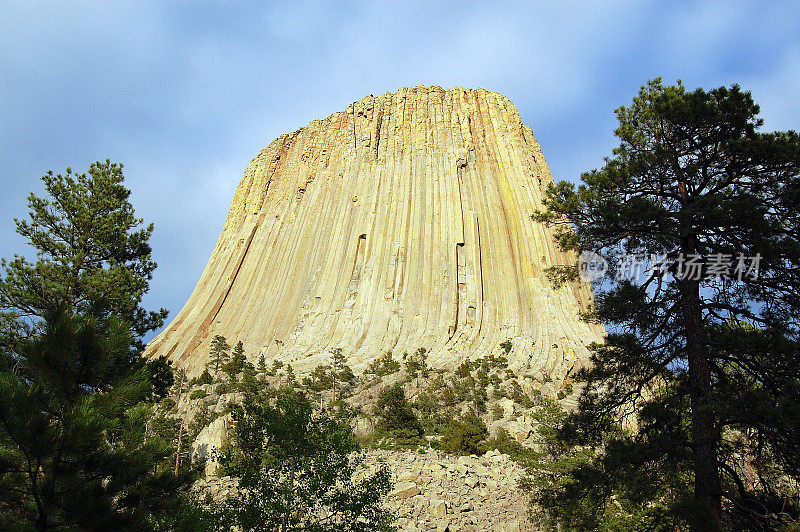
{"x": 402, "y": 222}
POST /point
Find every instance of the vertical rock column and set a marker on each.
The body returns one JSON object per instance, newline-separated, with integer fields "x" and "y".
{"x": 401, "y": 222}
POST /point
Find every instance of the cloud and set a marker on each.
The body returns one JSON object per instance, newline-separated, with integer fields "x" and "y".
{"x": 186, "y": 93}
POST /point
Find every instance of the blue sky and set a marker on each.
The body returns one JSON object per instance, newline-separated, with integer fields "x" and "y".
{"x": 186, "y": 93}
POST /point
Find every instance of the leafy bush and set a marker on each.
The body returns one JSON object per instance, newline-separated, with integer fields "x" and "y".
{"x": 382, "y": 366}
{"x": 204, "y": 378}
{"x": 504, "y": 443}
{"x": 464, "y": 435}
{"x": 197, "y": 394}
{"x": 396, "y": 418}
{"x": 296, "y": 469}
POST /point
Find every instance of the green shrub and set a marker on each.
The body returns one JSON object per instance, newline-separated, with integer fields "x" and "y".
{"x": 465, "y": 435}
{"x": 204, "y": 378}
{"x": 382, "y": 366}
{"x": 197, "y": 394}
{"x": 417, "y": 364}
{"x": 297, "y": 470}
{"x": 464, "y": 369}
{"x": 479, "y": 399}
{"x": 497, "y": 412}
{"x": 396, "y": 418}
{"x": 504, "y": 443}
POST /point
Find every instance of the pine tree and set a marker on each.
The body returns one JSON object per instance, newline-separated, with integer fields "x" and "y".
{"x": 219, "y": 352}
{"x": 161, "y": 376}
{"x": 704, "y": 348}
{"x": 342, "y": 377}
{"x": 237, "y": 361}
{"x": 417, "y": 364}
{"x": 73, "y": 446}
{"x": 93, "y": 254}
{"x": 466, "y": 435}
{"x": 249, "y": 382}
{"x": 396, "y": 418}
{"x": 76, "y": 446}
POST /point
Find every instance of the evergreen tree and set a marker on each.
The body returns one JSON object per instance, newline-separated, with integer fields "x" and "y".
{"x": 161, "y": 376}
{"x": 73, "y": 446}
{"x": 237, "y": 361}
{"x": 93, "y": 254}
{"x": 262, "y": 365}
{"x": 396, "y": 418}
{"x": 204, "y": 378}
{"x": 290, "y": 381}
{"x": 249, "y": 382}
{"x": 342, "y": 377}
{"x": 296, "y": 471}
{"x": 219, "y": 351}
{"x": 466, "y": 435}
{"x": 704, "y": 348}
{"x": 77, "y": 445}
{"x": 417, "y": 364}
{"x": 383, "y": 365}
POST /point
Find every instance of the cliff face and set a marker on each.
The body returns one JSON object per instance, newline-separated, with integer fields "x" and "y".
{"x": 399, "y": 223}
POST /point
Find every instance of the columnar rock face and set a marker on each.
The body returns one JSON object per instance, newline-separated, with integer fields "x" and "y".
{"x": 402, "y": 222}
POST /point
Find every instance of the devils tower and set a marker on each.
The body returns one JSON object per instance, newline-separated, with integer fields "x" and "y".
{"x": 401, "y": 222}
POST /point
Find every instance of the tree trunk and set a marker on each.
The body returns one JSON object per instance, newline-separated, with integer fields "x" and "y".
{"x": 705, "y": 432}
{"x": 183, "y": 421}
{"x": 178, "y": 449}
{"x": 289, "y": 501}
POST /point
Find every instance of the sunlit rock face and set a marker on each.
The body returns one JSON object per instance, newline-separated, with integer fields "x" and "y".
{"x": 401, "y": 222}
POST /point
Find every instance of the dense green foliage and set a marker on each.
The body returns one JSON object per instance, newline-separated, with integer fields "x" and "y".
{"x": 73, "y": 445}
{"x": 465, "y": 435}
{"x": 336, "y": 376}
{"x": 704, "y": 366}
{"x": 81, "y": 445}
{"x": 396, "y": 418}
{"x": 93, "y": 253}
{"x": 382, "y": 366}
{"x": 219, "y": 352}
{"x": 296, "y": 470}
{"x": 161, "y": 376}
{"x": 237, "y": 361}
